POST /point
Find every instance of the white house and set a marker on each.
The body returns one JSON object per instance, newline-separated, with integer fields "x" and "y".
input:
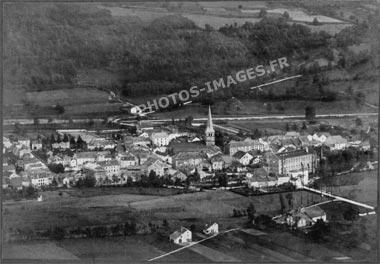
{"x": 112, "y": 167}
{"x": 6, "y": 142}
{"x": 36, "y": 145}
{"x": 24, "y": 142}
{"x": 243, "y": 157}
{"x": 211, "y": 230}
{"x": 41, "y": 179}
{"x": 336, "y": 142}
{"x": 181, "y": 236}
{"x": 160, "y": 139}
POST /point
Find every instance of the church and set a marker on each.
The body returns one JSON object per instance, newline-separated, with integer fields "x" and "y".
{"x": 209, "y": 132}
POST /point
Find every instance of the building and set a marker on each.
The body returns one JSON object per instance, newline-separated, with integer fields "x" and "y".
{"x": 36, "y": 145}
{"x": 191, "y": 159}
{"x": 127, "y": 159}
{"x": 336, "y": 142}
{"x": 211, "y": 230}
{"x": 6, "y": 142}
{"x": 101, "y": 144}
{"x": 160, "y": 139}
{"x": 303, "y": 217}
{"x": 158, "y": 166}
{"x": 41, "y": 178}
{"x": 91, "y": 157}
{"x": 242, "y": 157}
{"x": 181, "y": 236}
{"x": 112, "y": 167}
{"x": 245, "y": 145}
{"x": 210, "y": 132}
{"x": 286, "y": 162}
{"x": 217, "y": 162}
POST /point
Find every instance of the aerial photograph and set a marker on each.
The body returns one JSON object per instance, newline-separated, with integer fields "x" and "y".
{"x": 198, "y": 132}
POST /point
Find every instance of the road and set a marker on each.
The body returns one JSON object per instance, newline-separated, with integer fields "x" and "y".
{"x": 125, "y": 120}
{"x": 280, "y": 117}
{"x": 339, "y": 198}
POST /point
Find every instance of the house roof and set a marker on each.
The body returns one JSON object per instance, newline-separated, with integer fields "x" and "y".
{"x": 291, "y": 154}
{"x": 314, "y": 211}
{"x": 159, "y": 135}
{"x": 187, "y": 155}
{"x": 240, "y": 154}
{"x": 178, "y": 233}
{"x": 335, "y": 140}
{"x": 108, "y": 163}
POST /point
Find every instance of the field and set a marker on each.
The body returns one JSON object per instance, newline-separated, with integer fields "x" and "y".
{"x": 104, "y": 206}
{"x": 67, "y": 96}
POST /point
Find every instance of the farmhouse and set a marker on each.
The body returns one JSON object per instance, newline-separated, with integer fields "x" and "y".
{"x": 243, "y": 157}
{"x": 211, "y": 230}
{"x": 181, "y": 236}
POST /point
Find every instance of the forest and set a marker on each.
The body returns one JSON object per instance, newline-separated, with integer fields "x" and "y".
{"x": 47, "y": 47}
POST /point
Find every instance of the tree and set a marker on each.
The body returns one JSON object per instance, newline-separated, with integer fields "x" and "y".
{"x": 80, "y": 183}
{"x": 60, "y": 109}
{"x": 310, "y": 113}
{"x": 359, "y": 98}
{"x": 189, "y": 120}
{"x": 251, "y": 212}
{"x": 89, "y": 181}
{"x": 262, "y": 13}
{"x": 351, "y": 214}
{"x": 58, "y": 233}
{"x": 315, "y": 21}
{"x": 287, "y": 127}
{"x": 165, "y": 223}
{"x": 54, "y": 182}
{"x": 65, "y": 138}
{"x": 286, "y": 15}
{"x": 358, "y": 122}
{"x": 294, "y": 127}
{"x": 56, "y": 168}
{"x": 80, "y": 144}
{"x": 304, "y": 125}
{"x": 269, "y": 107}
{"x": 153, "y": 179}
{"x": 319, "y": 230}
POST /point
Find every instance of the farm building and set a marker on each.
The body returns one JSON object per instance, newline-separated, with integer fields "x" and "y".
{"x": 181, "y": 236}
{"x": 211, "y": 230}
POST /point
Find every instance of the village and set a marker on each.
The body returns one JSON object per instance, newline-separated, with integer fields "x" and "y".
{"x": 181, "y": 157}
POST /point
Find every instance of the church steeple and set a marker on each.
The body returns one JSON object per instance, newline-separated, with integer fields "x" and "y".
{"x": 210, "y": 132}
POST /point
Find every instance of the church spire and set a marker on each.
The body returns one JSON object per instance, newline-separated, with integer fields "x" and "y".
{"x": 210, "y": 132}
{"x": 209, "y": 126}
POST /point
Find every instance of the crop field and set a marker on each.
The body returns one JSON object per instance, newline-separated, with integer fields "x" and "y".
{"x": 298, "y": 15}
{"x": 217, "y": 21}
{"x": 40, "y": 250}
{"x": 365, "y": 191}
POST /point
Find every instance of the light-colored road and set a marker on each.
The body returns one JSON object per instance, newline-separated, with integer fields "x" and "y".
{"x": 339, "y": 198}
{"x": 125, "y": 120}
{"x": 192, "y": 244}
{"x": 278, "y": 117}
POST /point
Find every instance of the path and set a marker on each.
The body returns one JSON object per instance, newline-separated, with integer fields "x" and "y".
{"x": 339, "y": 198}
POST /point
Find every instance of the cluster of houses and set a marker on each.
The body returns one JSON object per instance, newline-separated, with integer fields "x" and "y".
{"x": 168, "y": 152}
{"x": 183, "y": 235}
